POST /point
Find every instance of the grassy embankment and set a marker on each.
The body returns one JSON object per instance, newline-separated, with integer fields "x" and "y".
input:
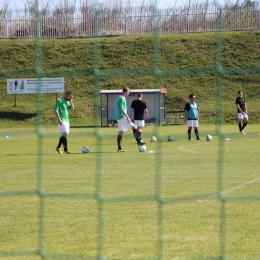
{"x": 187, "y": 62}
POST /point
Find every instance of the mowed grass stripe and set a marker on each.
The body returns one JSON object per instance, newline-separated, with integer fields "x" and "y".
{"x": 129, "y": 194}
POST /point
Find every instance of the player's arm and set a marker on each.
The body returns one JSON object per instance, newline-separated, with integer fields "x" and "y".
{"x": 131, "y": 111}
{"x": 56, "y": 111}
{"x": 120, "y": 105}
{"x": 146, "y": 112}
{"x": 71, "y": 105}
{"x": 239, "y": 109}
{"x": 58, "y": 116}
{"x": 186, "y": 113}
{"x": 125, "y": 114}
{"x": 186, "y": 109}
{"x": 245, "y": 107}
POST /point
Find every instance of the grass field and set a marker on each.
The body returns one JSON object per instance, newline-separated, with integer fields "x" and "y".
{"x": 187, "y": 200}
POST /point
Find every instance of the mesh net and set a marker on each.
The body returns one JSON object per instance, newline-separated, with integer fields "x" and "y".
{"x": 87, "y": 208}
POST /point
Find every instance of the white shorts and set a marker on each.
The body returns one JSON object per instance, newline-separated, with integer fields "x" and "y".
{"x": 240, "y": 116}
{"x": 64, "y": 128}
{"x": 139, "y": 123}
{"x": 192, "y": 123}
{"x": 123, "y": 124}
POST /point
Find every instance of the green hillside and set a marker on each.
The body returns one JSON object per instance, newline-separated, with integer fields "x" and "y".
{"x": 186, "y": 61}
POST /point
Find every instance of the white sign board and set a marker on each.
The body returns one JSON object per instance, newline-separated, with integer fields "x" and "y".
{"x": 35, "y": 85}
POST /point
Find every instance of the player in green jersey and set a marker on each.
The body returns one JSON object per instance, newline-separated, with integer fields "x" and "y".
{"x": 124, "y": 121}
{"x": 61, "y": 108}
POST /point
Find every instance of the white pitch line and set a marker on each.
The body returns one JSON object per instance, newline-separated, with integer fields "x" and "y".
{"x": 238, "y": 187}
{"x": 242, "y": 185}
{"x": 190, "y": 151}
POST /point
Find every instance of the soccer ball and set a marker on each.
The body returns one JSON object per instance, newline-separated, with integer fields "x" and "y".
{"x": 170, "y": 138}
{"x": 153, "y": 139}
{"x": 85, "y": 149}
{"x": 142, "y": 148}
{"x": 208, "y": 137}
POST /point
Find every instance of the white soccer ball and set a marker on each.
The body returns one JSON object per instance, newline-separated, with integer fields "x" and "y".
{"x": 208, "y": 137}
{"x": 85, "y": 149}
{"x": 153, "y": 139}
{"x": 142, "y": 148}
{"x": 170, "y": 138}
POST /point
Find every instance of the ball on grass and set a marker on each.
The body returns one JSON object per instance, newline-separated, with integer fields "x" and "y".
{"x": 170, "y": 138}
{"x": 142, "y": 148}
{"x": 85, "y": 149}
{"x": 208, "y": 137}
{"x": 153, "y": 139}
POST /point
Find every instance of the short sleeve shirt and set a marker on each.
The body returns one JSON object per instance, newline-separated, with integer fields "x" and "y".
{"x": 120, "y": 104}
{"x": 139, "y": 106}
{"x": 62, "y": 107}
{"x": 241, "y": 102}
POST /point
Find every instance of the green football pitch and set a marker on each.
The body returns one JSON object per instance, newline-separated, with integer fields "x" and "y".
{"x": 184, "y": 200}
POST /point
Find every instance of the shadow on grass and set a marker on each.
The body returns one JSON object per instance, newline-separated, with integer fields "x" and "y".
{"x": 208, "y": 258}
{"x": 82, "y": 126}
{"x": 63, "y": 154}
{"x": 93, "y": 126}
{"x": 16, "y": 115}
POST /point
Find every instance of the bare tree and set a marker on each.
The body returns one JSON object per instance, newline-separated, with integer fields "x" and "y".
{"x": 64, "y": 14}
{"x": 119, "y": 17}
{"x": 4, "y": 11}
{"x": 86, "y": 24}
{"x": 4, "y": 7}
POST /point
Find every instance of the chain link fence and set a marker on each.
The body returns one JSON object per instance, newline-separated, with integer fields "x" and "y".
{"x": 126, "y": 22}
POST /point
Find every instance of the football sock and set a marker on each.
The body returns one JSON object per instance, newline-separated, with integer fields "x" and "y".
{"x": 139, "y": 135}
{"x": 244, "y": 125}
{"x": 65, "y": 143}
{"x": 189, "y": 134}
{"x": 61, "y": 141}
{"x": 196, "y": 131}
{"x": 135, "y": 133}
{"x": 119, "y": 142}
{"x": 240, "y": 127}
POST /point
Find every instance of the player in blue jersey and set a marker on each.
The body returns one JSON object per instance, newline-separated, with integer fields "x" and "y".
{"x": 124, "y": 121}
{"x": 241, "y": 112}
{"x": 192, "y": 117}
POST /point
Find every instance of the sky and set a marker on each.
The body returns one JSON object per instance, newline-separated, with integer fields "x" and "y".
{"x": 161, "y": 4}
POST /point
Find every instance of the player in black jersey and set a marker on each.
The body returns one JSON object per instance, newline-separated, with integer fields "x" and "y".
{"x": 139, "y": 107}
{"x": 242, "y": 115}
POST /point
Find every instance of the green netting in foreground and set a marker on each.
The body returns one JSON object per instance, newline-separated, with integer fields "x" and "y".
{"x": 157, "y": 205}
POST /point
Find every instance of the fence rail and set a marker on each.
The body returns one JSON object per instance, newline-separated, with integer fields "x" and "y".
{"x": 124, "y": 23}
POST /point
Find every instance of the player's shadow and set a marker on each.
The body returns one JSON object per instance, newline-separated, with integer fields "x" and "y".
{"x": 80, "y": 126}
{"x": 52, "y": 153}
{"x": 16, "y": 115}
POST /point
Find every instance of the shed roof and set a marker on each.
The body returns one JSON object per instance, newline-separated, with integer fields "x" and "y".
{"x": 119, "y": 91}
